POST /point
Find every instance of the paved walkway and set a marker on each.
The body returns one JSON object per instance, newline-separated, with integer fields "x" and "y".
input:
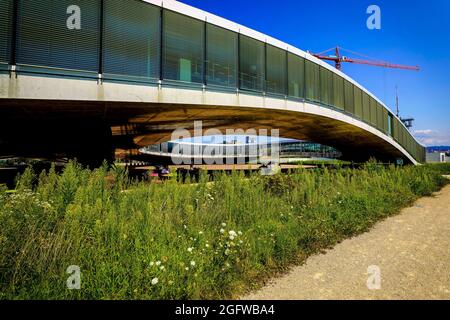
{"x": 411, "y": 250}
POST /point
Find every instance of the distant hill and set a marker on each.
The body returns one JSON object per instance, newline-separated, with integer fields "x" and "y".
{"x": 438, "y": 149}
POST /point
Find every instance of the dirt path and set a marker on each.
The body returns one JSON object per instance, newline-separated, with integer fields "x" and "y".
{"x": 411, "y": 250}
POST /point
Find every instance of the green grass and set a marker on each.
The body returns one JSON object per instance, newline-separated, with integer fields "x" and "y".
{"x": 236, "y": 231}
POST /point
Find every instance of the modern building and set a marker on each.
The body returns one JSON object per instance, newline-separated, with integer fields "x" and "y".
{"x": 437, "y": 157}
{"x": 96, "y": 78}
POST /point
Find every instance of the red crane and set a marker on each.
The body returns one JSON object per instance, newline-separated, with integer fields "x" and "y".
{"x": 339, "y": 59}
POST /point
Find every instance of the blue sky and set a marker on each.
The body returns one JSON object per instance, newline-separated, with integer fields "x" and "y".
{"x": 412, "y": 33}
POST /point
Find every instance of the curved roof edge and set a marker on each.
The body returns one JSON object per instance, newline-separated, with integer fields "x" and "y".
{"x": 199, "y": 14}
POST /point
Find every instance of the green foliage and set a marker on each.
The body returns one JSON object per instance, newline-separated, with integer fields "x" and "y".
{"x": 202, "y": 240}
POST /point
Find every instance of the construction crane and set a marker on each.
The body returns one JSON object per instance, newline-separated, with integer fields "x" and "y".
{"x": 338, "y": 59}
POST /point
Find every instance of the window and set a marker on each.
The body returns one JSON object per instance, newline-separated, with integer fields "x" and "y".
{"x": 312, "y": 79}
{"x": 373, "y": 111}
{"x": 380, "y": 117}
{"x": 131, "y": 39}
{"x": 358, "y": 103}
{"x": 252, "y": 65}
{"x": 349, "y": 97}
{"x": 390, "y": 124}
{"x": 276, "y": 70}
{"x": 44, "y": 39}
{"x": 6, "y": 12}
{"x": 221, "y": 56}
{"x": 326, "y": 86}
{"x": 338, "y": 91}
{"x": 366, "y": 107}
{"x": 296, "y": 73}
{"x": 183, "y": 48}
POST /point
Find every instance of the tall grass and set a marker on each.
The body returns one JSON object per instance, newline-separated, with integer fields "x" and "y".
{"x": 203, "y": 240}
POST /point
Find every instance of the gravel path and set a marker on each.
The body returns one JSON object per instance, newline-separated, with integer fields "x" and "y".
{"x": 411, "y": 250}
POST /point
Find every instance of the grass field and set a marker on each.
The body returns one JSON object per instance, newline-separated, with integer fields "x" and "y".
{"x": 136, "y": 240}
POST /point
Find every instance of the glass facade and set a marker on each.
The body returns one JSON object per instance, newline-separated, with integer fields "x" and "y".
{"x": 251, "y": 64}
{"x": 276, "y": 74}
{"x": 6, "y": 9}
{"x": 312, "y": 80}
{"x": 338, "y": 91}
{"x": 140, "y": 42}
{"x": 131, "y": 45}
{"x": 296, "y": 75}
{"x": 48, "y": 37}
{"x": 183, "y": 52}
{"x": 221, "y": 57}
{"x": 366, "y": 107}
{"x": 326, "y": 86}
{"x": 358, "y": 103}
{"x": 349, "y": 97}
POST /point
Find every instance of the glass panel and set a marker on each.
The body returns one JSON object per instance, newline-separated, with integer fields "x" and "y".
{"x": 338, "y": 91}
{"x": 312, "y": 76}
{"x": 183, "y": 42}
{"x": 276, "y": 70}
{"x": 358, "y": 103}
{"x": 326, "y": 86}
{"x": 349, "y": 97}
{"x": 251, "y": 54}
{"x": 366, "y": 107}
{"x": 221, "y": 56}
{"x": 296, "y": 72}
{"x": 131, "y": 39}
{"x": 6, "y": 12}
{"x": 373, "y": 111}
{"x": 385, "y": 121}
{"x": 380, "y": 117}
{"x": 44, "y": 38}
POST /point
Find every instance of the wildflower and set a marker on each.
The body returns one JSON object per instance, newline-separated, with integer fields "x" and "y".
{"x": 193, "y": 263}
{"x": 222, "y": 231}
{"x": 240, "y": 233}
{"x": 200, "y": 232}
{"x": 161, "y": 268}
{"x": 187, "y": 268}
{"x": 190, "y": 250}
{"x": 227, "y": 252}
{"x": 155, "y": 281}
{"x": 207, "y": 245}
{"x": 224, "y": 224}
{"x": 158, "y": 263}
{"x": 232, "y": 234}
{"x": 151, "y": 264}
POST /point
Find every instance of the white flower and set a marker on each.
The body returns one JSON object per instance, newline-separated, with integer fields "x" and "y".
{"x": 155, "y": 281}
{"x": 158, "y": 263}
{"x": 222, "y": 231}
{"x": 207, "y": 245}
{"x": 190, "y": 250}
{"x": 224, "y": 224}
{"x": 227, "y": 252}
{"x": 187, "y": 268}
{"x": 231, "y": 237}
{"x": 151, "y": 264}
{"x": 200, "y": 232}
{"x": 232, "y": 233}
{"x": 240, "y": 233}
{"x": 193, "y": 263}
{"x": 161, "y": 268}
